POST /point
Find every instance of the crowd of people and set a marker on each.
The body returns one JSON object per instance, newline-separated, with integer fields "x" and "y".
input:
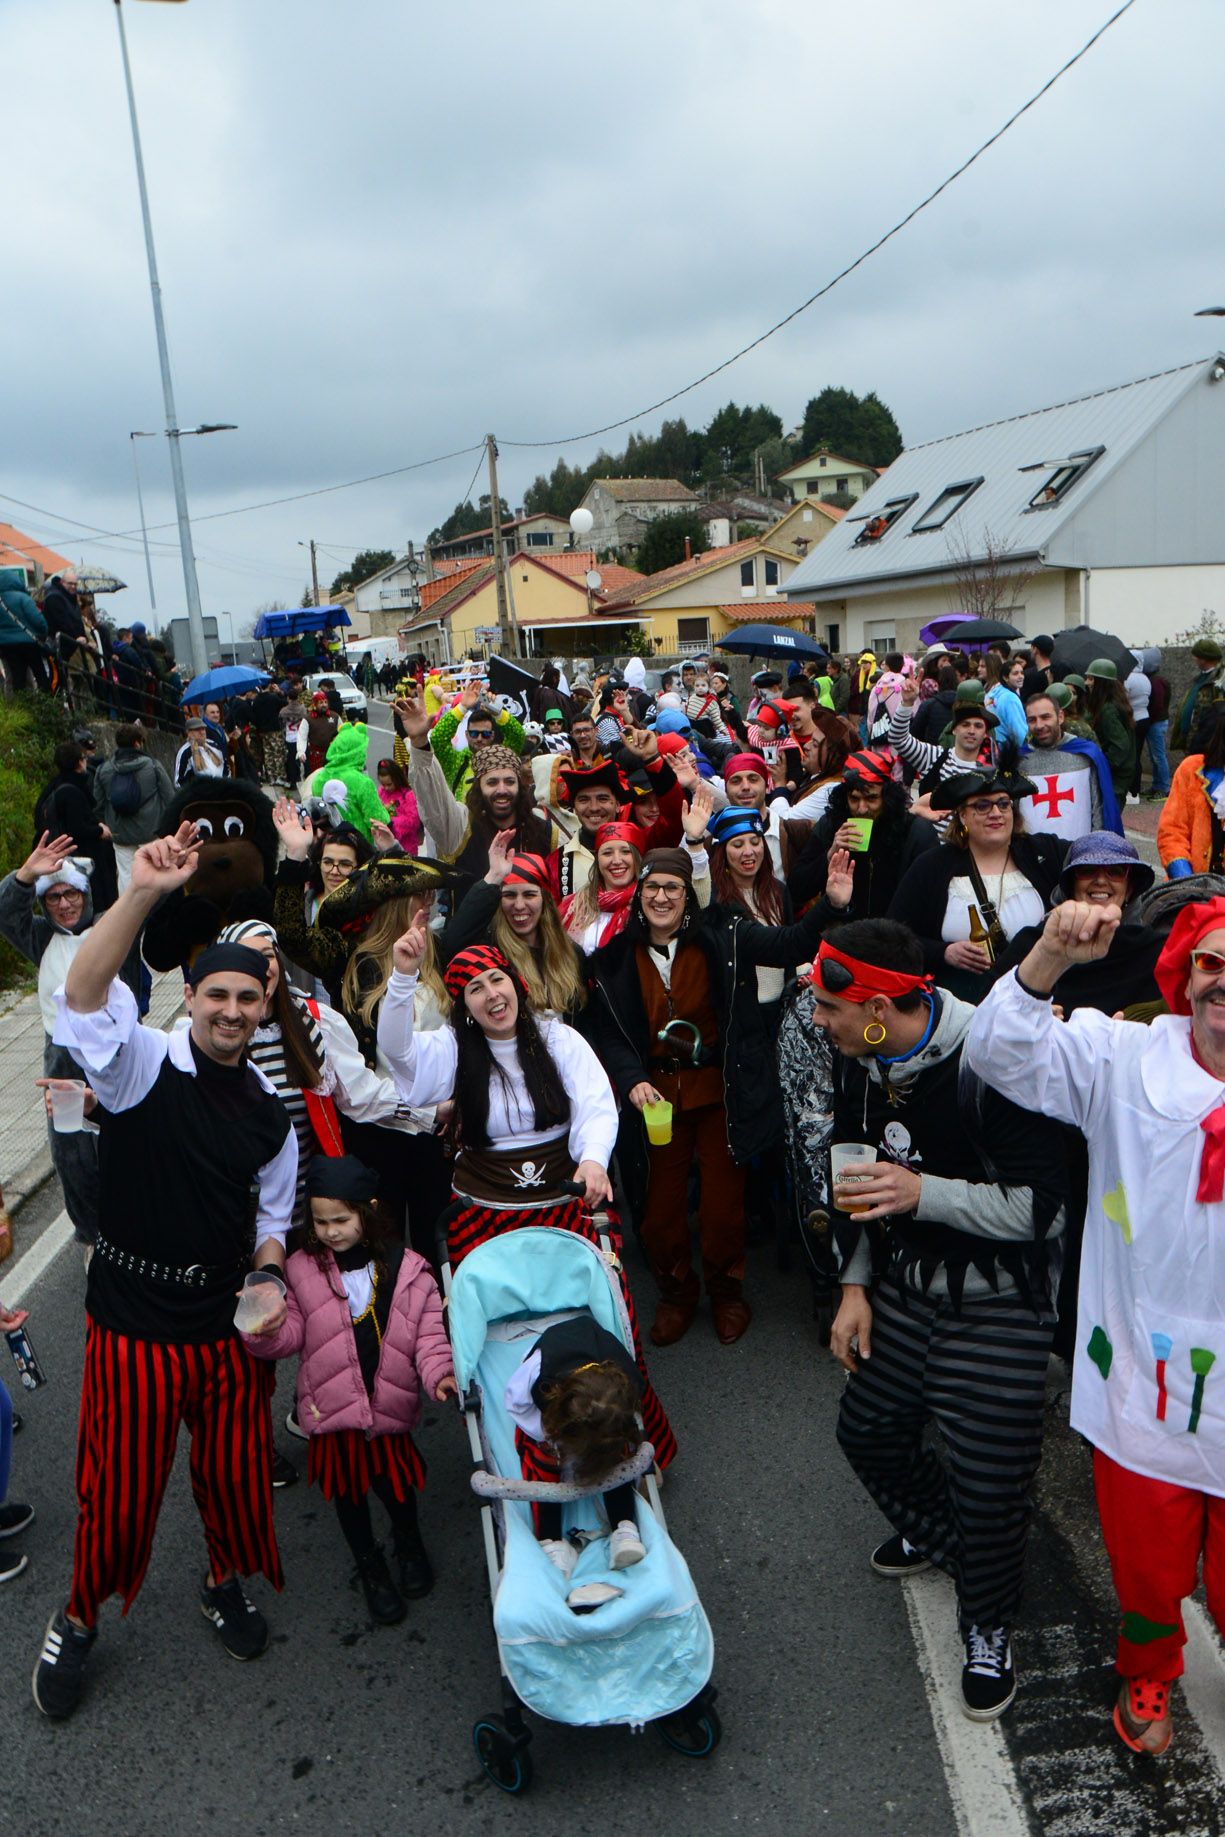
{"x": 867, "y": 964}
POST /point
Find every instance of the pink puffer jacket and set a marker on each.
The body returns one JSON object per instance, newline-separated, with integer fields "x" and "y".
{"x": 414, "y": 1358}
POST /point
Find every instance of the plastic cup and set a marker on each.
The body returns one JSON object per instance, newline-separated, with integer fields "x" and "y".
{"x": 847, "y": 1160}
{"x": 864, "y": 825}
{"x": 68, "y": 1106}
{"x": 258, "y": 1298}
{"x": 658, "y": 1119}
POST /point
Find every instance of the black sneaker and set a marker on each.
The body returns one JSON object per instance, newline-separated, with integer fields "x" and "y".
{"x": 294, "y": 1426}
{"x": 241, "y": 1627}
{"x": 11, "y": 1565}
{"x": 14, "y": 1518}
{"x": 58, "y": 1673}
{"x": 988, "y": 1681}
{"x": 896, "y": 1557}
{"x": 383, "y": 1598}
{"x": 284, "y": 1473}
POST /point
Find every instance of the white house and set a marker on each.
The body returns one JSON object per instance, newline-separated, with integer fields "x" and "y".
{"x": 1104, "y": 511}
{"x": 624, "y": 509}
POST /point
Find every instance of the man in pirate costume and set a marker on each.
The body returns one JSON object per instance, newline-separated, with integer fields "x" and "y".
{"x": 1148, "y": 1382}
{"x": 187, "y": 1128}
{"x": 600, "y": 794}
{"x": 533, "y": 1105}
{"x": 970, "y": 1189}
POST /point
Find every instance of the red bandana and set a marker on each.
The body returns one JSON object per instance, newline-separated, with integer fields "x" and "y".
{"x": 528, "y": 871}
{"x": 465, "y": 965}
{"x": 620, "y": 832}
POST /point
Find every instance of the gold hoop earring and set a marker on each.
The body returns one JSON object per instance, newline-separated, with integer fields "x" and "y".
{"x": 874, "y": 1034}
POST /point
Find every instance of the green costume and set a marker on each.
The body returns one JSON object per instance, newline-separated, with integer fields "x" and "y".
{"x": 346, "y": 761}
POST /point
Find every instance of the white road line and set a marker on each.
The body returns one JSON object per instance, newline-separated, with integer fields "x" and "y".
{"x": 983, "y": 1788}
{"x": 17, "y": 1281}
{"x": 1203, "y": 1684}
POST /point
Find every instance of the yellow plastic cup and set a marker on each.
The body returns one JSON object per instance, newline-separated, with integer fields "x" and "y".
{"x": 658, "y": 1119}
{"x": 864, "y": 825}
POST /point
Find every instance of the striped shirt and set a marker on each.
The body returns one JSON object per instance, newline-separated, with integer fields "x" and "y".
{"x": 923, "y": 755}
{"x": 267, "y": 1052}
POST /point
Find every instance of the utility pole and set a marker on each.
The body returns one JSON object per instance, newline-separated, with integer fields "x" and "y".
{"x": 507, "y": 625}
{"x": 314, "y": 571}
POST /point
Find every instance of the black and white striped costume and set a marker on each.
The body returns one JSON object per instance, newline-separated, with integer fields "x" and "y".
{"x": 923, "y": 757}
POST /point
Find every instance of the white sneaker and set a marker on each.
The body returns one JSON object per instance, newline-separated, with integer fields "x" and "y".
{"x": 590, "y": 1595}
{"x": 561, "y": 1554}
{"x": 625, "y": 1546}
{"x": 1132, "y": 797}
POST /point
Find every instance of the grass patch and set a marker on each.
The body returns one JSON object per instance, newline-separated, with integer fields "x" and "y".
{"x": 31, "y": 727}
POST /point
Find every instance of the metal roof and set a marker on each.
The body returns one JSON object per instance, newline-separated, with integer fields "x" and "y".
{"x": 1115, "y": 420}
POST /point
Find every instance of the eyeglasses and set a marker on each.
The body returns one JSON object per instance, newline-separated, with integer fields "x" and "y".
{"x": 71, "y": 893}
{"x": 982, "y": 805}
{"x": 1208, "y": 962}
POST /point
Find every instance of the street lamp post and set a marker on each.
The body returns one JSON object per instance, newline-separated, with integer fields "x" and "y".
{"x": 191, "y": 585}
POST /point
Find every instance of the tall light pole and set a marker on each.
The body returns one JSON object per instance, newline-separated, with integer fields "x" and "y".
{"x": 139, "y": 433}
{"x": 195, "y": 617}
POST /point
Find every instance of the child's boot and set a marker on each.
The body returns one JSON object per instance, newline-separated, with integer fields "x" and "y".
{"x": 383, "y": 1598}
{"x": 415, "y": 1571}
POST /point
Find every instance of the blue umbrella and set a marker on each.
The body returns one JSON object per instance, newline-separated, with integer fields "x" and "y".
{"x": 216, "y": 685}
{"x": 771, "y": 641}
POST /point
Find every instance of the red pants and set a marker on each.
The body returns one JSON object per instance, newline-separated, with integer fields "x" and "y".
{"x": 699, "y": 1134}
{"x": 1155, "y": 1534}
{"x": 134, "y": 1395}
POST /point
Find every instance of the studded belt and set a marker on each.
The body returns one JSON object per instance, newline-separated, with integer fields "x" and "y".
{"x": 195, "y": 1275}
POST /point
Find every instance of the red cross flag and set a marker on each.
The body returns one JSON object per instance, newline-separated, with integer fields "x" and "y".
{"x": 1061, "y": 805}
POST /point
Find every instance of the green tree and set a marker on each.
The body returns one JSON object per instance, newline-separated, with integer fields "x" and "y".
{"x": 851, "y": 426}
{"x": 732, "y": 437}
{"x": 664, "y": 543}
{"x": 776, "y": 455}
{"x": 464, "y": 520}
{"x": 365, "y": 563}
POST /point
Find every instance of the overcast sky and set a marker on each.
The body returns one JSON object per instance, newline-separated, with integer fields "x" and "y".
{"x": 385, "y": 229}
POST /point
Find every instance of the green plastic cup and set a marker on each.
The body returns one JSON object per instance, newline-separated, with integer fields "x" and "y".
{"x": 658, "y": 1119}
{"x": 864, "y": 825}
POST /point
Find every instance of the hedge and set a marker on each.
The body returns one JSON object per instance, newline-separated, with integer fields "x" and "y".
{"x": 31, "y": 727}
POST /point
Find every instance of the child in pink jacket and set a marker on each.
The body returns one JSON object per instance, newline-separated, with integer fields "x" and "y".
{"x": 400, "y": 801}
{"x": 365, "y": 1316}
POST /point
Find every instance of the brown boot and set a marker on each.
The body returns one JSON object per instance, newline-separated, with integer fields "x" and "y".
{"x": 732, "y": 1315}
{"x": 673, "y": 1320}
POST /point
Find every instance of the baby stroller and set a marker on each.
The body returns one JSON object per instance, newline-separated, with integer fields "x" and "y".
{"x": 645, "y": 1656}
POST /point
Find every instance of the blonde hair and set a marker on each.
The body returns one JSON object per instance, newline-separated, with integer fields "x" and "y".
{"x": 390, "y": 921}
{"x": 550, "y": 972}
{"x": 585, "y": 909}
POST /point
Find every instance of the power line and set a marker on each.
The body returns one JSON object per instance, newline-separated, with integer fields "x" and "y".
{"x": 664, "y": 401}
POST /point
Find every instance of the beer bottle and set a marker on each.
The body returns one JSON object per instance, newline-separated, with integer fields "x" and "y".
{"x": 979, "y": 933}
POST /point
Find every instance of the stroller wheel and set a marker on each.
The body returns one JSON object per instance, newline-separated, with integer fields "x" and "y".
{"x": 695, "y": 1731}
{"x": 504, "y": 1757}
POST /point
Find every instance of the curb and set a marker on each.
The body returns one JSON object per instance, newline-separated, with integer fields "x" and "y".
{"x": 28, "y": 1181}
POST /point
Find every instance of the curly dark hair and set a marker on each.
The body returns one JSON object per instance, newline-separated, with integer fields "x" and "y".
{"x": 591, "y": 1417}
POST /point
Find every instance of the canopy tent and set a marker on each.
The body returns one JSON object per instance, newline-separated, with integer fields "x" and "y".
{"x": 302, "y": 619}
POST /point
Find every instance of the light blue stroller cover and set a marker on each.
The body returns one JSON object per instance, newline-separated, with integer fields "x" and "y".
{"x": 644, "y": 1655}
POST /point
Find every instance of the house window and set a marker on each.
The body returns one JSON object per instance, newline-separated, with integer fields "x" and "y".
{"x": 746, "y": 576}
{"x": 813, "y": 485}
{"x": 946, "y": 505}
{"x": 823, "y": 461}
{"x": 771, "y": 575}
{"x": 540, "y": 538}
{"x": 833, "y": 638}
{"x": 1061, "y": 475}
{"x": 692, "y": 636}
{"x": 806, "y": 517}
{"x": 841, "y": 484}
{"x": 877, "y": 523}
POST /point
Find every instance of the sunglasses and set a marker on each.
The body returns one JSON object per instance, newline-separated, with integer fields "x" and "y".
{"x": 981, "y": 805}
{"x": 1208, "y": 962}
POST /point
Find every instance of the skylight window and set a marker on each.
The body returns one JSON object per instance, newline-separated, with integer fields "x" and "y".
{"x": 946, "y": 505}
{"x": 878, "y": 523}
{"x": 1061, "y": 475}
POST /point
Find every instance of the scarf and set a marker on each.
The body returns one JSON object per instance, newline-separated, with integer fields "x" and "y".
{"x": 615, "y": 905}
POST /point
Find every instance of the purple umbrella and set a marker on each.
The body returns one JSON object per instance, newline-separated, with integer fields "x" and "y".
{"x": 933, "y": 632}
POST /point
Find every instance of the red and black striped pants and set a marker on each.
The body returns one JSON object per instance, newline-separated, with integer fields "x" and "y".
{"x": 470, "y": 1224}
{"x": 134, "y": 1395}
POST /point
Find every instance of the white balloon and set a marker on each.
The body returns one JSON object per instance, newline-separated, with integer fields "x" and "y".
{"x": 581, "y": 521}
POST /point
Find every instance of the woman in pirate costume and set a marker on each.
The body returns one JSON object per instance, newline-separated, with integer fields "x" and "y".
{"x": 533, "y": 1109}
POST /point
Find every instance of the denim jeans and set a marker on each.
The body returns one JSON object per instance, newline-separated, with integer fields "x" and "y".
{"x": 1157, "y": 753}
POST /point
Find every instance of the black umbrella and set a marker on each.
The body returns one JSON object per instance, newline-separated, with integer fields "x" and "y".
{"x": 771, "y": 641}
{"x": 979, "y": 631}
{"x": 1080, "y": 646}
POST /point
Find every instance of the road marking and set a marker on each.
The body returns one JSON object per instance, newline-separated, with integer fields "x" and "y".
{"x": 16, "y": 1283}
{"x": 985, "y": 1795}
{"x": 1203, "y": 1684}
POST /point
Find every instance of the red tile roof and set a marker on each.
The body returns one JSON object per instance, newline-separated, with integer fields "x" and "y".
{"x": 17, "y": 550}
{"x": 432, "y": 590}
{"x": 767, "y": 612}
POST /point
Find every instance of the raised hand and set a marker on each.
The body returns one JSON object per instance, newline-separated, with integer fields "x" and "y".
{"x": 910, "y": 692}
{"x": 696, "y": 819}
{"x": 840, "y": 879}
{"x": 383, "y": 836}
{"x": 1079, "y": 932}
{"x": 469, "y": 696}
{"x": 47, "y": 857}
{"x": 684, "y": 770}
{"x": 413, "y": 717}
{"x": 641, "y": 742}
{"x": 297, "y": 833}
{"x": 166, "y": 863}
{"x": 409, "y": 948}
{"x": 501, "y": 853}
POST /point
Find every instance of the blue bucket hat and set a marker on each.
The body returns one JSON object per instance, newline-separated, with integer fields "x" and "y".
{"x": 736, "y": 820}
{"x": 672, "y": 721}
{"x": 1104, "y": 849}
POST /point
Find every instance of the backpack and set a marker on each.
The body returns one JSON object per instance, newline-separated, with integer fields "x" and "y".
{"x": 125, "y": 792}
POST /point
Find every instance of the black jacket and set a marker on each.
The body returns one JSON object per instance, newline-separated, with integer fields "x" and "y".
{"x": 931, "y": 717}
{"x": 898, "y": 840}
{"x": 62, "y": 613}
{"x": 922, "y": 896}
{"x": 734, "y": 945}
{"x": 1123, "y": 977}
